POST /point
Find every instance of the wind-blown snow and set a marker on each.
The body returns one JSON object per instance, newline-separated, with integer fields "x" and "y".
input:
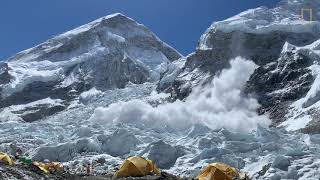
{"x": 222, "y": 104}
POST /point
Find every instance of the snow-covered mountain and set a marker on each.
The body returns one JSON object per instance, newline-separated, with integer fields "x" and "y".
{"x": 111, "y": 89}
{"x": 105, "y": 54}
{"x": 285, "y": 47}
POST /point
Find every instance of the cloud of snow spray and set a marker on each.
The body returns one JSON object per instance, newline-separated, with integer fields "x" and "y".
{"x": 220, "y": 104}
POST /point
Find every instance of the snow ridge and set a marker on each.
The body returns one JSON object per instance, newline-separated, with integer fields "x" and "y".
{"x": 286, "y": 17}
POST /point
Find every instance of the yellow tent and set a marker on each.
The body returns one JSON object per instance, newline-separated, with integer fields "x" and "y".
{"x": 49, "y": 167}
{"x": 136, "y": 167}
{"x": 218, "y": 171}
{"x": 6, "y": 158}
{"x": 41, "y": 166}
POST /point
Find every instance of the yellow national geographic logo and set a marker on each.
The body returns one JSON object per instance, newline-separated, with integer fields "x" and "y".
{"x": 307, "y": 14}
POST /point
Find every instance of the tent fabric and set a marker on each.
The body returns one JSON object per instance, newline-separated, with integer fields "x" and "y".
{"x": 25, "y": 160}
{"x": 49, "y": 167}
{"x": 6, "y": 159}
{"x": 218, "y": 171}
{"x": 41, "y": 166}
{"x": 136, "y": 167}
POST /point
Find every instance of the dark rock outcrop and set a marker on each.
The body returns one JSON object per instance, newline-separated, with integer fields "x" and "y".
{"x": 278, "y": 84}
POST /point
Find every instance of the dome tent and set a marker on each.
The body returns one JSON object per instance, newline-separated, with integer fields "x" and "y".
{"x": 219, "y": 171}
{"x": 136, "y": 166}
{"x": 6, "y": 159}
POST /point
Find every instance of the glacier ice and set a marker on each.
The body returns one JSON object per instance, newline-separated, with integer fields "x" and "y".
{"x": 216, "y": 122}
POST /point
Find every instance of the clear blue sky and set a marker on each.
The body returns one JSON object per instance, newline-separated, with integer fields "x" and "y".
{"x": 25, "y": 23}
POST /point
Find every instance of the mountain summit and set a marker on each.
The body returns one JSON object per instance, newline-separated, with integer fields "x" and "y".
{"x": 249, "y": 96}
{"x": 105, "y": 54}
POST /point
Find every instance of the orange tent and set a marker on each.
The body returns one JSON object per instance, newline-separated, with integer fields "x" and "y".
{"x": 49, "y": 167}
{"x": 136, "y": 167}
{"x": 218, "y": 171}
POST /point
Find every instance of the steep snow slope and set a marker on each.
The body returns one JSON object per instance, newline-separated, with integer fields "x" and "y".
{"x": 277, "y": 40}
{"x": 105, "y": 54}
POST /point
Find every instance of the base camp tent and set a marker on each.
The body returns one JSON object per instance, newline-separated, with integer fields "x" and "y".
{"x": 135, "y": 167}
{"x": 5, "y": 158}
{"x": 49, "y": 167}
{"x": 218, "y": 171}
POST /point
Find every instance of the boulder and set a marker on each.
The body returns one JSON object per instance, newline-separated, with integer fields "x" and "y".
{"x": 281, "y": 162}
{"x": 65, "y": 152}
{"x": 121, "y": 142}
{"x": 61, "y": 153}
{"x": 163, "y": 154}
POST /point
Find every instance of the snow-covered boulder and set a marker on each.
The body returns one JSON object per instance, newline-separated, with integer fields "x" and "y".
{"x": 86, "y": 145}
{"x": 121, "y": 142}
{"x": 281, "y": 162}
{"x": 292, "y": 173}
{"x": 164, "y": 155}
{"x": 65, "y": 152}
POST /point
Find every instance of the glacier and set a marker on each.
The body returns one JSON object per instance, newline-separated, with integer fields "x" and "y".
{"x": 248, "y": 96}
{"x": 86, "y": 132}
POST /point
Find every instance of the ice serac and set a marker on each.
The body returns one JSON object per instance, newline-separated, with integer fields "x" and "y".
{"x": 107, "y": 53}
{"x": 278, "y": 40}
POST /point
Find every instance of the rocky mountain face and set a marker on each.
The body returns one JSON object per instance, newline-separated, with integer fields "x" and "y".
{"x": 105, "y": 54}
{"x": 278, "y": 40}
{"x": 282, "y": 82}
{"x": 90, "y": 94}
